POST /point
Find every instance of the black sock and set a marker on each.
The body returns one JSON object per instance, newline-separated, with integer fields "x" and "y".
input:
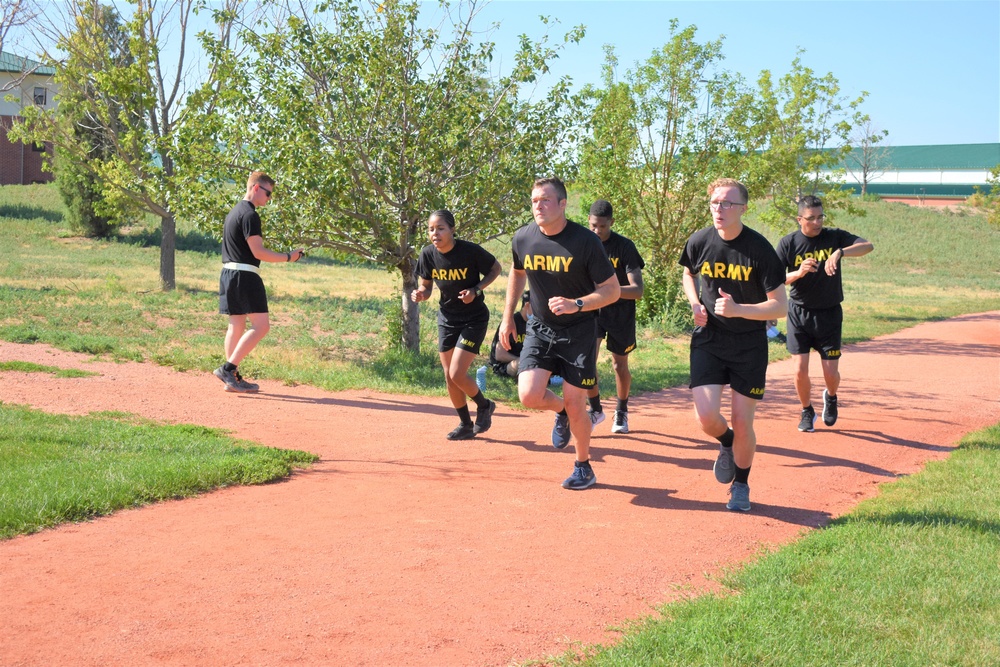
{"x": 229, "y": 367}
{"x": 742, "y": 475}
{"x": 726, "y": 438}
{"x": 595, "y": 404}
{"x": 463, "y": 414}
{"x": 622, "y": 405}
{"x": 583, "y": 464}
{"x": 481, "y": 401}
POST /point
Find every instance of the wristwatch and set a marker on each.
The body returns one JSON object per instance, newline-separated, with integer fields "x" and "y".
{"x": 579, "y": 305}
{"x": 479, "y": 292}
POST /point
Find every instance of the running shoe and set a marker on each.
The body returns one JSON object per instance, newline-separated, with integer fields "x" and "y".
{"x": 807, "y": 420}
{"x": 725, "y": 466}
{"x": 247, "y": 387}
{"x": 462, "y": 432}
{"x": 829, "y": 408}
{"x": 484, "y": 418}
{"x": 230, "y": 379}
{"x": 620, "y": 423}
{"x": 560, "y": 432}
{"x": 596, "y": 418}
{"x": 583, "y": 477}
{"x": 739, "y": 497}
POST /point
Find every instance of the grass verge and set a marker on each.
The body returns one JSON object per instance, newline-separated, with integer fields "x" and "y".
{"x": 908, "y": 578}
{"x": 57, "y": 468}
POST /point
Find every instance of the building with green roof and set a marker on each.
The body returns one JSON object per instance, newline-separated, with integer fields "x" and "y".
{"x": 951, "y": 170}
{"x": 27, "y": 82}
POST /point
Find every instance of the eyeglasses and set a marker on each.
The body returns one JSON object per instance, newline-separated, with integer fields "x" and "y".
{"x": 266, "y": 191}
{"x": 724, "y": 204}
{"x": 813, "y": 218}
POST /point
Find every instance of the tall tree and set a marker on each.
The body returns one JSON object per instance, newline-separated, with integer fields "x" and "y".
{"x": 809, "y": 122}
{"x": 869, "y": 156}
{"x": 134, "y": 98}
{"x": 369, "y": 121}
{"x": 656, "y": 138}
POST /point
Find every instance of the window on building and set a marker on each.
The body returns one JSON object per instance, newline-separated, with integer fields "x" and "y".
{"x": 41, "y": 96}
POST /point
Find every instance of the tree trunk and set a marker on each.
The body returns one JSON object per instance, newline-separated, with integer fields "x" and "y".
{"x": 168, "y": 246}
{"x": 410, "y": 310}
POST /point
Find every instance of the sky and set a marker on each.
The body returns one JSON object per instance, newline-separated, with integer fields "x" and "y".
{"x": 932, "y": 69}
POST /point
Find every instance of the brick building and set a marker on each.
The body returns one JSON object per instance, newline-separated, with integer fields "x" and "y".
{"x": 22, "y": 163}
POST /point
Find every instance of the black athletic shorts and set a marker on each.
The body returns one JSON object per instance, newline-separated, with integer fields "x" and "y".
{"x": 570, "y": 352}
{"x": 815, "y": 330}
{"x": 241, "y": 293}
{"x": 621, "y": 340}
{"x": 467, "y": 336}
{"x": 721, "y": 357}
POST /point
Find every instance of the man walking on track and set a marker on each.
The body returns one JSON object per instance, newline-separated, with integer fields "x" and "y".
{"x": 570, "y": 279}
{"x": 616, "y": 322}
{"x": 241, "y": 291}
{"x": 742, "y": 285}
{"x": 812, "y": 257}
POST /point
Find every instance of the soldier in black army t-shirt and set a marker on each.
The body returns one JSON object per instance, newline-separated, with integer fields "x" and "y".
{"x": 616, "y": 322}
{"x": 570, "y": 278}
{"x": 461, "y": 270}
{"x": 742, "y": 285}
{"x": 812, "y": 258}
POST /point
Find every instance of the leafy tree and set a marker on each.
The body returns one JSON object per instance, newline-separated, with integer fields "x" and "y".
{"x": 809, "y": 124}
{"x": 115, "y": 78}
{"x": 369, "y": 121}
{"x": 652, "y": 151}
{"x": 869, "y": 157}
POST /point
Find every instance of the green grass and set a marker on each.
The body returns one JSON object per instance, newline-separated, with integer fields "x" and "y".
{"x": 56, "y": 468}
{"x": 28, "y": 367}
{"x": 329, "y": 317}
{"x": 908, "y": 578}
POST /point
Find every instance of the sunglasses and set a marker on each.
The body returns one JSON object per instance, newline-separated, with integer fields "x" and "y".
{"x": 266, "y": 191}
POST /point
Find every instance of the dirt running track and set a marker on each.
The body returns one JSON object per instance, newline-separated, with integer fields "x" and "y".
{"x": 400, "y": 548}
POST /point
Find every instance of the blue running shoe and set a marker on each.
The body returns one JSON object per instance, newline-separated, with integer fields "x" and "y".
{"x": 560, "y": 432}
{"x": 739, "y": 497}
{"x": 583, "y": 477}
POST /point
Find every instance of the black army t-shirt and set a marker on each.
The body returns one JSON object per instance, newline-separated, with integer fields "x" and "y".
{"x": 815, "y": 290}
{"x": 241, "y": 223}
{"x": 746, "y": 268}
{"x": 568, "y": 264}
{"x": 458, "y": 269}
{"x": 625, "y": 259}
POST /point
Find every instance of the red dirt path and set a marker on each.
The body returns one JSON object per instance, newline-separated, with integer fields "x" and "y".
{"x": 400, "y": 548}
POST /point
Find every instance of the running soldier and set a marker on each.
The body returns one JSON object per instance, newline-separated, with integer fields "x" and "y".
{"x": 616, "y": 322}
{"x": 241, "y": 291}
{"x": 742, "y": 285}
{"x": 570, "y": 279}
{"x": 812, "y": 257}
{"x": 505, "y": 362}
{"x": 461, "y": 270}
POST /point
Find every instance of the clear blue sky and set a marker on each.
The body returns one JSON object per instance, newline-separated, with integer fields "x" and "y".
{"x": 932, "y": 69}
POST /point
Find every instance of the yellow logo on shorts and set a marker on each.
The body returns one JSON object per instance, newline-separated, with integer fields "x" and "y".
{"x": 629, "y": 348}
{"x": 757, "y": 391}
{"x": 465, "y": 343}
{"x": 833, "y": 353}
{"x": 588, "y": 382}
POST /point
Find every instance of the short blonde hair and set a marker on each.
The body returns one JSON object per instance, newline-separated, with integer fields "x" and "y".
{"x": 258, "y": 177}
{"x": 730, "y": 183}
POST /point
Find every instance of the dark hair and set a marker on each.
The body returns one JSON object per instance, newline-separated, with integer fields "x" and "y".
{"x": 445, "y": 215}
{"x": 810, "y": 201}
{"x": 559, "y": 186}
{"x": 601, "y": 208}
